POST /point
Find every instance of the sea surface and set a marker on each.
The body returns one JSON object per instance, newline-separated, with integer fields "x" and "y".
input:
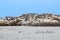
{"x": 29, "y": 33}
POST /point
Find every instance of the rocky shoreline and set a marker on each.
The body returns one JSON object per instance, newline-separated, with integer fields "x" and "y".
{"x": 31, "y": 19}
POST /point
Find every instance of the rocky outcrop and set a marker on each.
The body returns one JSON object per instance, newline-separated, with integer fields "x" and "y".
{"x": 31, "y": 19}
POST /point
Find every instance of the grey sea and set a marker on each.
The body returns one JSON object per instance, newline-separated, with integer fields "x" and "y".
{"x": 29, "y": 33}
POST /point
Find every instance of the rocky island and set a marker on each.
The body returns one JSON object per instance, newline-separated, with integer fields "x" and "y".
{"x": 31, "y": 19}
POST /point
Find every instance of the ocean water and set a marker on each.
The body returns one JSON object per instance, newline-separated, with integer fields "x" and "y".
{"x": 29, "y": 33}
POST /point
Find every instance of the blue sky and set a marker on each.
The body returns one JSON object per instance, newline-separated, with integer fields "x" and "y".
{"x": 19, "y": 7}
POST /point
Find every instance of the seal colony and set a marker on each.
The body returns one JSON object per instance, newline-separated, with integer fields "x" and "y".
{"x": 31, "y": 19}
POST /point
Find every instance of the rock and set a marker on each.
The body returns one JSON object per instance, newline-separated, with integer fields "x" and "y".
{"x": 31, "y": 19}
